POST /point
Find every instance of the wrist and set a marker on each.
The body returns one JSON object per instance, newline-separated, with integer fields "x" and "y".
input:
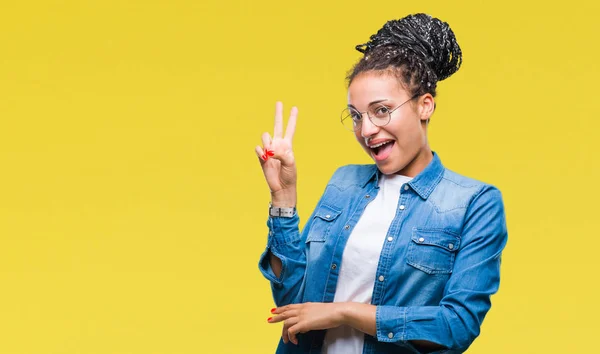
{"x": 344, "y": 312}
{"x": 285, "y": 198}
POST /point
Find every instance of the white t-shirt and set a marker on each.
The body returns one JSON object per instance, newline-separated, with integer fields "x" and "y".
{"x": 360, "y": 259}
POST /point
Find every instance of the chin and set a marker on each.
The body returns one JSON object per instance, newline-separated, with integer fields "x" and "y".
{"x": 388, "y": 169}
{"x": 393, "y": 164}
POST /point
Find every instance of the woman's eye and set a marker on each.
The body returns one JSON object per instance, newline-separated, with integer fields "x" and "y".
{"x": 382, "y": 110}
{"x": 356, "y": 116}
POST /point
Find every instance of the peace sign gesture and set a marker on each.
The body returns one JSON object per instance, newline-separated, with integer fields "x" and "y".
{"x": 277, "y": 159}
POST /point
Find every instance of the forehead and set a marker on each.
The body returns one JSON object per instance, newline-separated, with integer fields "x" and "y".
{"x": 367, "y": 87}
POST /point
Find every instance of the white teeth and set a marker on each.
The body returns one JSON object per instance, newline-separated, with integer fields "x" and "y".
{"x": 378, "y": 145}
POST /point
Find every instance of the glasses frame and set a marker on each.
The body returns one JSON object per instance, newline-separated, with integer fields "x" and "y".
{"x": 358, "y": 126}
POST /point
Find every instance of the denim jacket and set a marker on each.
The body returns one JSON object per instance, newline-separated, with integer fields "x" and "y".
{"x": 438, "y": 267}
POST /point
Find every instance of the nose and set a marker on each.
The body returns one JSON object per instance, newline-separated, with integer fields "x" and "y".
{"x": 367, "y": 128}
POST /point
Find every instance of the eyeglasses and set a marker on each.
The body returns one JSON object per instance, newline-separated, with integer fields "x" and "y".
{"x": 378, "y": 113}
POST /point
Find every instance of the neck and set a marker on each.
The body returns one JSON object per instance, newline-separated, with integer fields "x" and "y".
{"x": 418, "y": 164}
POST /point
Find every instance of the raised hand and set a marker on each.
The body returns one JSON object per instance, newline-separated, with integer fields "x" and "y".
{"x": 277, "y": 159}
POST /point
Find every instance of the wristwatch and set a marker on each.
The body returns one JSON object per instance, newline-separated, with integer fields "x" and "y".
{"x": 281, "y": 212}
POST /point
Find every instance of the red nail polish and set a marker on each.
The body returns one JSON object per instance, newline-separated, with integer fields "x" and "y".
{"x": 269, "y": 319}
{"x": 273, "y": 310}
{"x": 269, "y": 152}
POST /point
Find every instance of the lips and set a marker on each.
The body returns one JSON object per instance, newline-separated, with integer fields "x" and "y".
{"x": 381, "y": 148}
{"x": 377, "y": 142}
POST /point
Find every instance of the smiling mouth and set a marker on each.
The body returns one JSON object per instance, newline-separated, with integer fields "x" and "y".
{"x": 382, "y": 150}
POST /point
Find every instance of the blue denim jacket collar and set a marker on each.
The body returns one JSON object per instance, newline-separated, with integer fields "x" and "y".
{"x": 423, "y": 183}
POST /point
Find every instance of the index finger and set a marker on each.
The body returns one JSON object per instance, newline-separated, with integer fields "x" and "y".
{"x": 291, "y": 125}
{"x": 284, "y": 308}
{"x": 278, "y": 130}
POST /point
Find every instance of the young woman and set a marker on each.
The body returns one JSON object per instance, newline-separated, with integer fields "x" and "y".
{"x": 400, "y": 256}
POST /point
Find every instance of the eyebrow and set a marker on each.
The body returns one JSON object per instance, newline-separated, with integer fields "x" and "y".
{"x": 370, "y": 104}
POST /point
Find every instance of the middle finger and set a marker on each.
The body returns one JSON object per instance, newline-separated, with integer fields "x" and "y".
{"x": 291, "y": 125}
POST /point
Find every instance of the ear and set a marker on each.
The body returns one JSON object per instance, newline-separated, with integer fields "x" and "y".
{"x": 426, "y": 106}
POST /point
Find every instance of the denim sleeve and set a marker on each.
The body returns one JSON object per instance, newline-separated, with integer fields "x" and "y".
{"x": 285, "y": 243}
{"x": 456, "y": 322}
{"x": 288, "y": 244}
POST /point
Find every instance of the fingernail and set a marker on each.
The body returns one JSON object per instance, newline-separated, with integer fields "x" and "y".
{"x": 269, "y": 319}
{"x": 273, "y": 310}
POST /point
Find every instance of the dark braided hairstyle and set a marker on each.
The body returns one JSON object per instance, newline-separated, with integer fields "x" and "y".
{"x": 419, "y": 49}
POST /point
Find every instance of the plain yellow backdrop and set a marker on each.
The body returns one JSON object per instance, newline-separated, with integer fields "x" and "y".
{"x": 133, "y": 209}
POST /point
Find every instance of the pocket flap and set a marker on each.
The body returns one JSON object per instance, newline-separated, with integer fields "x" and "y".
{"x": 322, "y": 223}
{"x": 327, "y": 213}
{"x": 439, "y": 238}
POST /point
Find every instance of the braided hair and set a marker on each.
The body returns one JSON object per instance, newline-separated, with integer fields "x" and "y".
{"x": 419, "y": 49}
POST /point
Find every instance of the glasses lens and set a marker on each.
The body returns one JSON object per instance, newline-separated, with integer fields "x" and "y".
{"x": 349, "y": 119}
{"x": 379, "y": 114}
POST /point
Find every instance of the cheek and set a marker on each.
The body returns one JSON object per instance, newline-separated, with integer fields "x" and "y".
{"x": 407, "y": 133}
{"x": 359, "y": 138}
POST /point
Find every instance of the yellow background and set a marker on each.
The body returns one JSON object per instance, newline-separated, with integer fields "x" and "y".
{"x": 132, "y": 206}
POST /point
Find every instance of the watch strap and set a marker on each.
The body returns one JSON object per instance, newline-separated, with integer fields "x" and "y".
{"x": 281, "y": 212}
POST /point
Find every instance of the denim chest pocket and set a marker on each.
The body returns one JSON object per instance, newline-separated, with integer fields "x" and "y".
{"x": 433, "y": 250}
{"x": 322, "y": 223}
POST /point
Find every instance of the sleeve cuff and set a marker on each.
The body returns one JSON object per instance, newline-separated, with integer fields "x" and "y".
{"x": 391, "y": 323}
{"x": 283, "y": 230}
